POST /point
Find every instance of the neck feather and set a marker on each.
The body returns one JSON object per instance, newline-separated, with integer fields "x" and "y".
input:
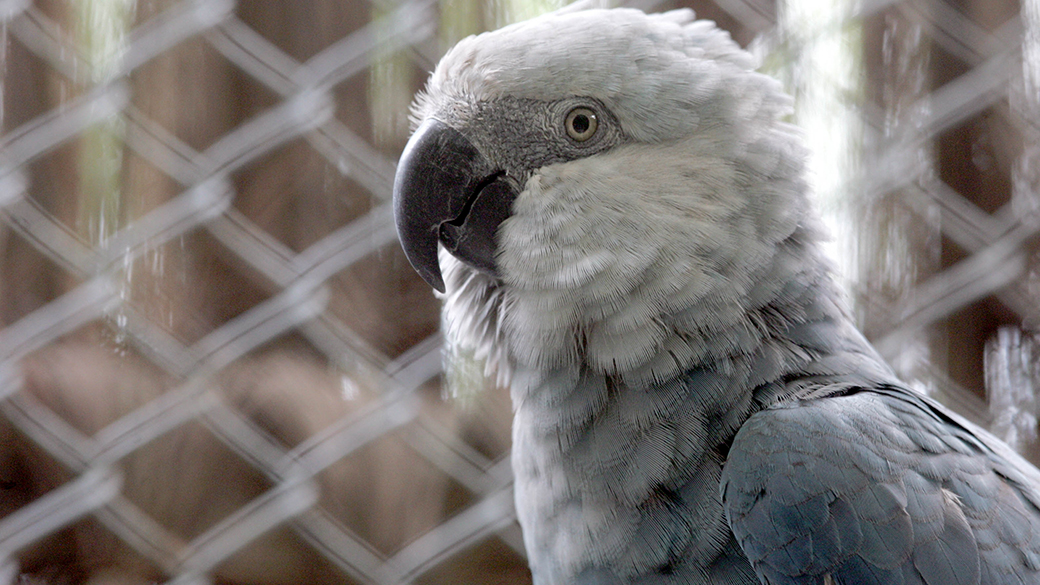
{"x": 759, "y": 326}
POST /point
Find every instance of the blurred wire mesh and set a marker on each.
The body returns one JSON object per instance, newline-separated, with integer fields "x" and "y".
{"x": 216, "y": 365}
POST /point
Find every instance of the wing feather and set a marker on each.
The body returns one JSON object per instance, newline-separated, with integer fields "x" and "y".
{"x": 878, "y": 487}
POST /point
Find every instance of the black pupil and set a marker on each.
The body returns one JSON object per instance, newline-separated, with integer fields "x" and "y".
{"x": 580, "y": 123}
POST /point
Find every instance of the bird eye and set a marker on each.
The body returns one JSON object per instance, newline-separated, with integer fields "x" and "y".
{"x": 581, "y": 124}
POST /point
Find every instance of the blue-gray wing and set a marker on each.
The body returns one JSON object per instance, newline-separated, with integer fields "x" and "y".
{"x": 880, "y": 487}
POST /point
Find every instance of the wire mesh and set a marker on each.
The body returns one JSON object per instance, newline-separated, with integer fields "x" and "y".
{"x": 216, "y": 365}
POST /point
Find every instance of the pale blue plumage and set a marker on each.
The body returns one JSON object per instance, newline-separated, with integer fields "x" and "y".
{"x": 878, "y": 485}
{"x": 693, "y": 404}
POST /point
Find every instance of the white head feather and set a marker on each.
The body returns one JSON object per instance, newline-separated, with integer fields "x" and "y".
{"x": 619, "y": 260}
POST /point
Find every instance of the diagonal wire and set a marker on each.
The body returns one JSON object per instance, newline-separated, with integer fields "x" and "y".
{"x": 12, "y": 8}
{"x": 285, "y": 76}
{"x": 81, "y": 305}
{"x": 91, "y": 490}
{"x": 409, "y": 23}
{"x": 45, "y": 132}
{"x": 474, "y": 524}
{"x": 987, "y": 271}
{"x": 172, "y": 26}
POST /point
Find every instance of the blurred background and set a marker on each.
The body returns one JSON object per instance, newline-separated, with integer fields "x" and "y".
{"x": 216, "y": 365}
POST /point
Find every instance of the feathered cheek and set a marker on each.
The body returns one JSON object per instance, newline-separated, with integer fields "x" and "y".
{"x": 545, "y": 243}
{"x": 525, "y": 252}
{"x": 521, "y": 237}
{"x": 536, "y": 195}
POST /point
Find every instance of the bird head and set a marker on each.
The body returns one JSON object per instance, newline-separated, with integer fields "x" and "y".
{"x": 575, "y": 175}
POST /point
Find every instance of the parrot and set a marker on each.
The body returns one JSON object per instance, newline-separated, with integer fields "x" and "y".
{"x": 614, "y": 211}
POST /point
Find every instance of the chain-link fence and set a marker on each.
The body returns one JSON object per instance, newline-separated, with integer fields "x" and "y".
{"x": 216, "y": 365}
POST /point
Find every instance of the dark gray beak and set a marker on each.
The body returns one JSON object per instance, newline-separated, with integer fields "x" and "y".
{"x": 445, "y": 190}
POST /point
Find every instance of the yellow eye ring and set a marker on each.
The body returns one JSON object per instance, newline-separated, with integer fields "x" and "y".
{"x": 581, "y": 124}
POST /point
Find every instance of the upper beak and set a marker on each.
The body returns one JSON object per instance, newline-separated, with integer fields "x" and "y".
{"x": 446, "y": 190}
